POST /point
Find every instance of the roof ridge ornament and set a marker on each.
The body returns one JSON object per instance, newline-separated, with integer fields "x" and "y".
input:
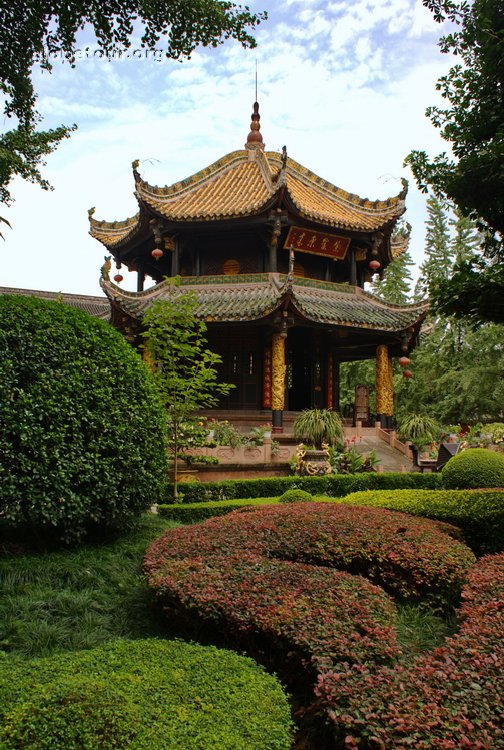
{"x": 254, "y": 138}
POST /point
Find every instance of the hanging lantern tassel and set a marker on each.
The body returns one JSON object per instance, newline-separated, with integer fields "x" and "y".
{"x": 157, "y": 253}
{"x": 374, "y": 265}
{"x": 407, "y": 374}
{"x": 404, "y": 361}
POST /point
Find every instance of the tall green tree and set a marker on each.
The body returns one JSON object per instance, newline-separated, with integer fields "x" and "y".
{"x": 466, "y": 239}
{"x": 473, "y": 178}
{"x": 438, "y": 251}
{"x": 183, "y": 366}
{"x": 395, "y": 286}
{"x": 32, "y": 31}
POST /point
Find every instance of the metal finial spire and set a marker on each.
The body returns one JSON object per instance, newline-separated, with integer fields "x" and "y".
{"x": 254, "y": 138}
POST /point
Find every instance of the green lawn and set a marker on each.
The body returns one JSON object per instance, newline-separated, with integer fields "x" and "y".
{"x": 73, "y": 599}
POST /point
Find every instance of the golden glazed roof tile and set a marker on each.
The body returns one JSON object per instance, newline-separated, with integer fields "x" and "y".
{"x": 234, "y": 186}
{"x": 245, "y": 183}
{"x": 111, "y": 233}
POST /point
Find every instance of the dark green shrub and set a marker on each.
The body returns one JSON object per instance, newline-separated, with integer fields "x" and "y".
{"x": 295, "y": 496}
{"x": 332, "y": 485}
{"x": 475, "y": 467}
{"x": 142, "y": 695}
{"x": 480, "y": 515}
{"x": 81, "y": 426}
{"x": 194, "y": 512}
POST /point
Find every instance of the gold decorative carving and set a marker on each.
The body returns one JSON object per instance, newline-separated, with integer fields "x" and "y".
{"x": 278, "y": 372}
{"x": 384, "y": 384}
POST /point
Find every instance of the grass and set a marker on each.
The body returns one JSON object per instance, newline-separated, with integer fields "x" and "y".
{"x": 78, "y": 599}
{"x": 419, "y": 629}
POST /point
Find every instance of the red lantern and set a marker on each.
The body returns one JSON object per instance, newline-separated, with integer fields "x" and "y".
{"x": 118, "y": 278}
{"x": 403, "y": 361}
{"x": 157, "y": 253}
{"x": 407, "y": 374}
{"x": 374, "y": 265}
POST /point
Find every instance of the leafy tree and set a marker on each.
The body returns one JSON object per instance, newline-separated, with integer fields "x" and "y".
{"x": 456, "y": 379}
{"x": 473, "y": 125}
{"x": 21, "y": 154}
{"x": 184, "y": 369}
{"x": 33, "y": 31}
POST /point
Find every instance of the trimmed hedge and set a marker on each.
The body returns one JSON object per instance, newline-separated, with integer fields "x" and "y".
{"x": 476, "y": 468}
{"x": 480, "y": 514}
{"x": 269, "y": 574}
{"x": 448, "y": 699}
{"x": 142, "y": 695}
{"x": 195, "y": 512}
{"x": 82, "y": 433}
{"x": 332, "y": 485}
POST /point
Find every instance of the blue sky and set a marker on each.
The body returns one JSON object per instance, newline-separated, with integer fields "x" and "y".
{"x": 344, "y": 85}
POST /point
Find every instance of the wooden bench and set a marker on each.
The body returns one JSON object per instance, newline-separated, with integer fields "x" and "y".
{"x": 445, "y": 452}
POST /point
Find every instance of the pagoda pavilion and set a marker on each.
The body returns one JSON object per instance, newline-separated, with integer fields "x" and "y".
{"x": 278, "y": 259}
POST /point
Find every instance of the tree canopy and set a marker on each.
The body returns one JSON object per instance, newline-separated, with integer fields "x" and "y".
{"x": 473, "y": 125}
{"x": 31, "y": 32}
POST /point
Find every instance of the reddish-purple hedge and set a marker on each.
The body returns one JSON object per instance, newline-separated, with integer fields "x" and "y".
{"x": 409, "y": 557}
{"x": 271, "y": 571}
{"x": 449, "y": 699}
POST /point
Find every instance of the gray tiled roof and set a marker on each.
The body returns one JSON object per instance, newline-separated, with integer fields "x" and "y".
{"x": 98, "y": 307}
{"x": 252, "y": 297}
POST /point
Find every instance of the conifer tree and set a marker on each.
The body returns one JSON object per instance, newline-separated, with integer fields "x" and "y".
{"x": 438, "y": 249}
{"x": 466, "y": 239}
{"x": 395, "y": 286}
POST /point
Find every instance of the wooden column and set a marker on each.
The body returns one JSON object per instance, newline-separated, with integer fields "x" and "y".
{"x": 330, "y": 381}
{"x": 384, "y": 387}
{"x": 175, "y": 259}
{"x": 140, "y": 276}
{"x": 353, "y": 266}
{"x": 278, "y": 372}
{"x": 333, "y": 383}
{"x": 266, "y": 389}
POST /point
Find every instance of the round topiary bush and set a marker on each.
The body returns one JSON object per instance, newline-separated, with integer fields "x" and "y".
{"x": 77, "y": 714}
{"x": 474, "y": 468}
{"x": 143, "y": 695}
{"x": 81, "y": 424}
{"x": 295, "y": 496}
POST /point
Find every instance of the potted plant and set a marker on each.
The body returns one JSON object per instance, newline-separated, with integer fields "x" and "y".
{"x": 320, "y": 428}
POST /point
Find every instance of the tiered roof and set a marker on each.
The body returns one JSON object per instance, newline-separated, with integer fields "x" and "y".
{"x": 248, "y": 183}
{"x": 226, "y": 299}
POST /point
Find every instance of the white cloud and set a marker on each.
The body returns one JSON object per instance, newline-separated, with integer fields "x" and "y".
{"x": 344, "y": 85}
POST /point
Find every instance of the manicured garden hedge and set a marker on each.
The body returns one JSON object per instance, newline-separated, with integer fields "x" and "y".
{"x": 476, "y": 468}
{"x": 449, "y": 699}
{"x": 332, "y": 485}
{"x": 195, "y": 512}
{"x": 267, "y": 573}
{"x": 142, "y": 695}
{"x": 480, "y": 514}
{"x": 82, "y": 438}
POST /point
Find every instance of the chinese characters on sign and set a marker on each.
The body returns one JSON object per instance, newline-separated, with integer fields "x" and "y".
{"x": 317, "y": 243}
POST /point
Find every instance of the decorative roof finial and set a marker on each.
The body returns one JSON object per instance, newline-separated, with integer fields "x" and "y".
{"x": 254, "y": 138}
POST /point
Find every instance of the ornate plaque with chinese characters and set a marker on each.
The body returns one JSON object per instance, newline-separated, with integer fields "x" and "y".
{"x": 317, "y": 243}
